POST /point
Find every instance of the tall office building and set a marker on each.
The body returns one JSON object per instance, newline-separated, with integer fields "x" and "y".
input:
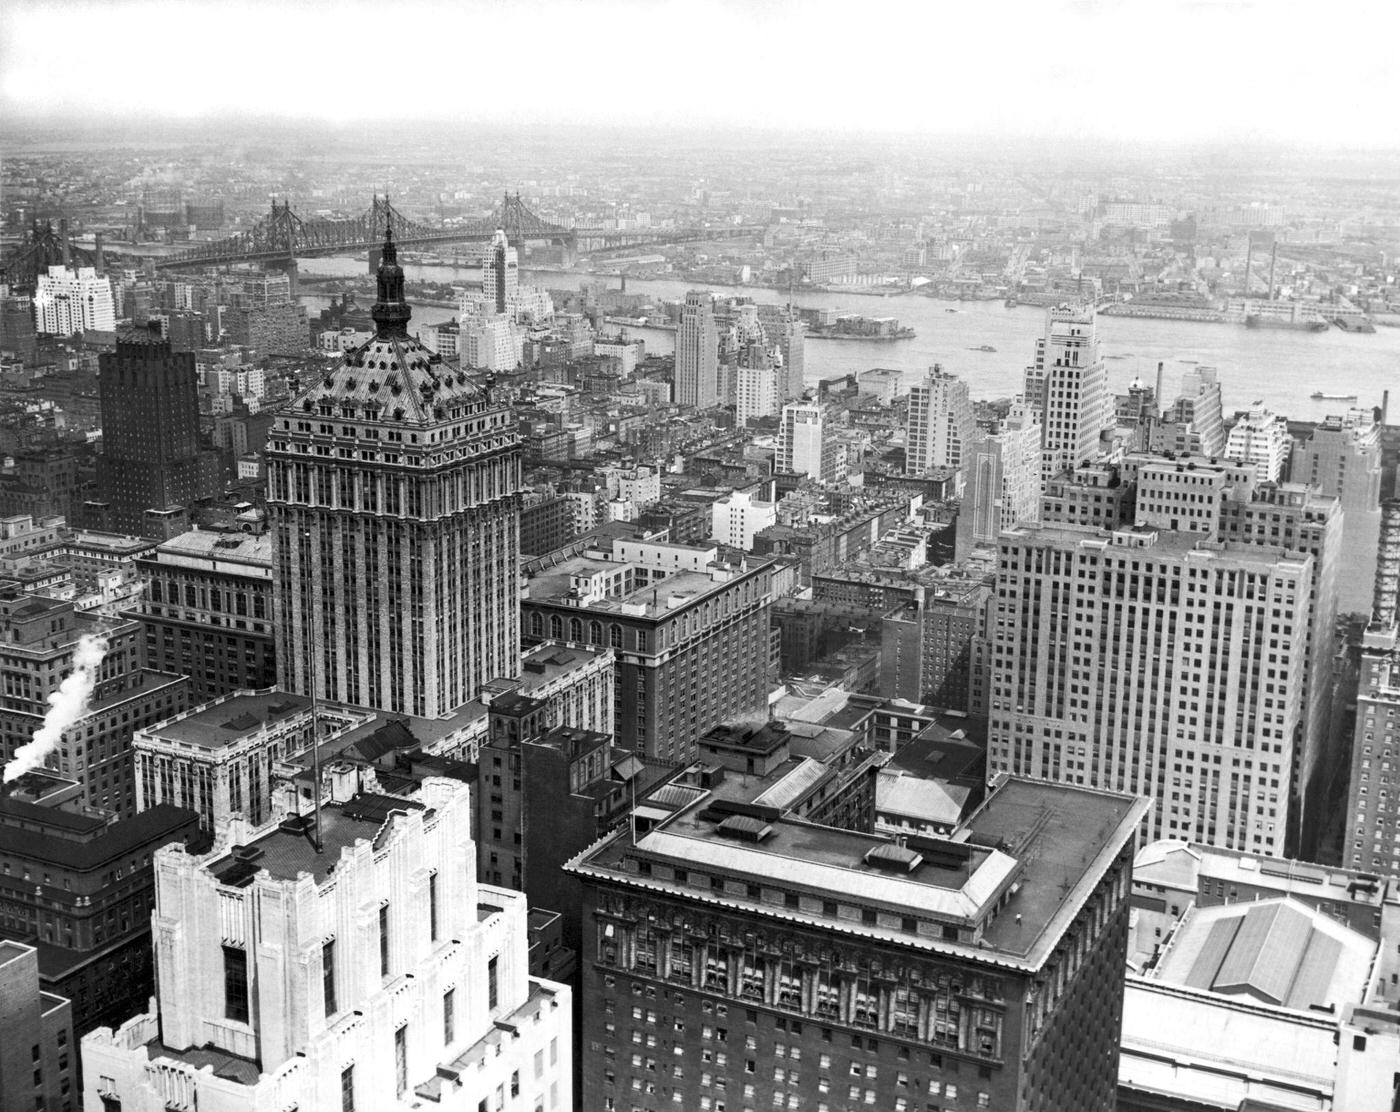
{"x": 1298, "y": 519}
{"x": 1078, "y": 405}
{"x": 940, "y": 424}
{"x": 1342, "y": 459}
{"x": 393, "y": 490}
{"x": 697, "y": 352}
{"x": 1002, "y": 484}
{"x": 151, "y": 454}
{"x": 375, "y": 973}
{"x": 737, "y": 953}
{"x": 804, "y": 448}
{"x": 1155, "y": 663}
{"x": 500, "y": 273}
{"x": 700, "y": 656}
{"x": 757, "y": 391}
{"x": 68, "y": 301}
{"x": 789, "y": 336}
{"x": 1193, "y": 425}
{"x": 1373, "y": 823}
{"x": 1260, "y": 437}
{"x": 206, "y": 611}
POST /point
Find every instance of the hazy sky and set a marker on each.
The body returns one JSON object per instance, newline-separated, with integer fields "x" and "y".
{"x": 1267, "y": 70}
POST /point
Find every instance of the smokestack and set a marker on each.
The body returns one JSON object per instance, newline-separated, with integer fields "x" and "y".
{"x": 1385, "y": 407}
{"x": 1157, "y": 401}
{"x": 1273, "y": 261}
{"x": 98, "y": 260}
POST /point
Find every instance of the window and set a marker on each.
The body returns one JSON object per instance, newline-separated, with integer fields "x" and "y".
{"x": 492, "y": 988}
{"x": 432, "y": 906}
{"x": 347, "y": 1089}
{"x": 328, "y": 977}
{"x": 384, "y": 940}
{"x": 235, "y": 984}
{"x": 401, "y": 1060}
{"x": 449, "y": 1016}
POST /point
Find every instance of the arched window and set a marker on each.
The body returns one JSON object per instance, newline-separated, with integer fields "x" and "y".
{"x": 595, "y": 633}
{"x": 615, "y": 635}
{"x": 537, "y": 624}
{"x": 575, "y": 629}
{"x": 556, "y": 627}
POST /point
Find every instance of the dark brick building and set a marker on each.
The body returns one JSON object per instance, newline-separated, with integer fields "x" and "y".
{"x": 207, "y": 611}
{"x": 735, "y": 956}
{"x": 78, "y": 886}
{"x": 152, "y": 458}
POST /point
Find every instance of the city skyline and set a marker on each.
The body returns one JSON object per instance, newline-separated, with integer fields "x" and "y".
{"x": 1181, "y": 71}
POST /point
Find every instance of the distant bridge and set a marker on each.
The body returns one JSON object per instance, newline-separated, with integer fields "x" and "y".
{"x": 282, "y": 234}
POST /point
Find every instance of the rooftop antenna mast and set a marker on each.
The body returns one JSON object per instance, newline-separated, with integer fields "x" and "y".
{"x": 314, "y": 670}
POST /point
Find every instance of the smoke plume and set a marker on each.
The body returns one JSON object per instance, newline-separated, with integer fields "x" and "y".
{"x": 66, "y": 705}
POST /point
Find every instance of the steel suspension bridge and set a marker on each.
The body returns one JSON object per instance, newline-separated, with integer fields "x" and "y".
{"x": 283, "y": 235}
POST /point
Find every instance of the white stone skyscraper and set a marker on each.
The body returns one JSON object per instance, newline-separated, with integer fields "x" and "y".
{"x": 1002, "y": 481}
{"x": 1260, "y": 437}
{"x": 1077, "y": 405}
{"x": 803, "y": 447}
{"x": 369, "y": 973}
{"x": 394, "y": 502}
{"x": 69, "y": 301}
{"x": 941, "y": 424}
{"x": 697, "y": 352}
{"x": 500, "y": 274}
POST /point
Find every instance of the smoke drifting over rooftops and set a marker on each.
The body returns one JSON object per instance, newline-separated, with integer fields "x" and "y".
{"x": 66, "y": 705}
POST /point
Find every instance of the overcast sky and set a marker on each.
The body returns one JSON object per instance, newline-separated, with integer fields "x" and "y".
{"x": 1262, "y": 70}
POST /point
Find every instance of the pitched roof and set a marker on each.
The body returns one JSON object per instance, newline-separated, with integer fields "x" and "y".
{"x": 395, "y": 378}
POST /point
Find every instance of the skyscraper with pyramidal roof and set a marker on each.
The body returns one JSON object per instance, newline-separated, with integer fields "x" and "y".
{"x": 393, "y": 495}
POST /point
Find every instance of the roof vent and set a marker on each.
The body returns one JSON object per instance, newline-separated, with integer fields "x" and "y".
{"x": 894, "y": 858}
{"x": 744, "y": 828}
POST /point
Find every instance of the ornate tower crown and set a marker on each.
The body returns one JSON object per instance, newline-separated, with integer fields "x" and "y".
{"x": 391, "y": 312}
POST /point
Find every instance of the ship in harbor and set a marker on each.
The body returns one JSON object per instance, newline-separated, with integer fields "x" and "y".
{"x": 1322, "y": 396}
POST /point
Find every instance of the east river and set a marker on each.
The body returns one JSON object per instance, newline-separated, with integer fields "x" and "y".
{"x": 1280, "y": 368}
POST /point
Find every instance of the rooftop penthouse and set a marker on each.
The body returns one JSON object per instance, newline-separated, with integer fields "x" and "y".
{"x": 624, "y": 578}
{"x": 1002, "y": 888}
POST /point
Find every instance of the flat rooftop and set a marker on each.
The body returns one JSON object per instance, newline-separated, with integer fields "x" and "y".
{"x": 205, "y": 545}
{"x": 230, "y": 1067}
{"x": 546, "y": 663}
{"x": 1052, "y": 841}
{"x": 224, "y": 721}
{"x": 287, "y": 851}
{"x": 1162, "y": 543}
{"x": 651, "y": 601}
{"x": 1066, "y": 837}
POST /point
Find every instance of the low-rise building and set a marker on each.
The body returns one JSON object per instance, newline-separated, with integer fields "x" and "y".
{"x": 1259, "y": 982}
